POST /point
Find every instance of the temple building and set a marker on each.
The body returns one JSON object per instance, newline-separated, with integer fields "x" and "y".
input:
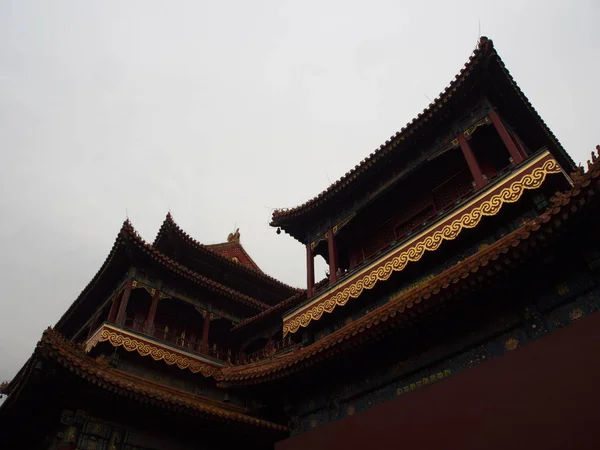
{"x": 458, "y": 310}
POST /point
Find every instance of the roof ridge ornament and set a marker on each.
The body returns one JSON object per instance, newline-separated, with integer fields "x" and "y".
{"x": 234, "y": 237}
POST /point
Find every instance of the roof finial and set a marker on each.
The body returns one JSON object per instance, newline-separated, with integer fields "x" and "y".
{"x": 234, "y": 237}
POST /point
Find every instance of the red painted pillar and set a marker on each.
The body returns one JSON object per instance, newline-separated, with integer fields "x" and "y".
{"x": 205, "y": 330}
{"x": 519, "y": 145}
{"x": 333, "y": 257}
{"x": 112, "y": 314}
{"x": 123, "y": 306}
{"x": 508, "y": 142}
{"x": 310, "y": 271}
{"x": 149, "y": 325}
{"x": 476, "y": 172}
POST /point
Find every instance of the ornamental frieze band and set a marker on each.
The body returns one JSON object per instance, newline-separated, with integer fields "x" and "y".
{"x": 510, "y": 190}
{"x": 134, "y": 343}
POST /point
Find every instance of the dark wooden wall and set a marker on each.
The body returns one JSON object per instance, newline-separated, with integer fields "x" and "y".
{"x": 541, "y": 396}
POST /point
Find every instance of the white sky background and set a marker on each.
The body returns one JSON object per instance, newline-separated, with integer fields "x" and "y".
{"x": 220, "y": 111}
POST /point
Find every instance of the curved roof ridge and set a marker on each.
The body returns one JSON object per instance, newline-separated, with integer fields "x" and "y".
{"x": 129, "y": 233}
{"x": 119, "y": 240}
{"x": 169, "y": 222}
{"x": 169, "y": 262}
{"x": 484, "y": 48}
{"x": 485, "y": 45}
{"x": 53, "y": 344}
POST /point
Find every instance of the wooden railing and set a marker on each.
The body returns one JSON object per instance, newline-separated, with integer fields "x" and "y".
{"x": 270, "y": 350}
{"x": 162, "y": 333}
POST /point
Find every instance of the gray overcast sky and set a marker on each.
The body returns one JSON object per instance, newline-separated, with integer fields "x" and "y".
{"x": 220, "y": 111}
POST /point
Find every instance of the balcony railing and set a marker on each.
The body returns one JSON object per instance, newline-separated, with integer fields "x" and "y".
{"x": 276, "y": 347}
{"x": 162, "y": 333}
{"x": 462, "y": 194}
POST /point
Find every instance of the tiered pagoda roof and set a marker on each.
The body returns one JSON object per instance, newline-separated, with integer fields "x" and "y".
{"x": 511, "y": 250}
{"x": 129, "y": 249}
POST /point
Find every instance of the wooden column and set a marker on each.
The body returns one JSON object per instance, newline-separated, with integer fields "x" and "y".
{"x": 149, "y": 325}
{"x": 505, "y": 136}
{"x": 310, "y": 271}
{"x": 333, "y": 256}
{"x": 205, "y": 329}
{"x": 123, "y": 306}
{"x": 519, "y": 145}
{"x": 112, "y": 314}
{"x": 93, "y": 324}
{"x": 476, "y": 172}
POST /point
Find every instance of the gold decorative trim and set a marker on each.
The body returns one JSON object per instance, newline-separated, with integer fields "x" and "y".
{"x": 511, "y": 344}
{"x": 137, "y": 285}
{"x": 314, "y": 244}
{"x": 469, "y": 131}
{"x": 576, "y": 314}
{"x": 118, "y": 338}
{"x": 343, "y": 223}
{"x": 426, "y": 243}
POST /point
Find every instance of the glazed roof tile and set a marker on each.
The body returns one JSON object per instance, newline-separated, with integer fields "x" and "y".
{"x": 55, "y": 346}
{"x": 190, "y": 274}
{"x": 213, "y": 251}
{"x": 484, "y": 49}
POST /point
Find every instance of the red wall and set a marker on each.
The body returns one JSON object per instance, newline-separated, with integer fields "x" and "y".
{"x": 544, "y": 395}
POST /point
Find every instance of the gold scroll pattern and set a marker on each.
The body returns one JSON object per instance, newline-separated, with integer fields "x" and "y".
{"x": 431, "y": 242}
{"x": 434, "y": 378}
{"x": 131, "y": 344}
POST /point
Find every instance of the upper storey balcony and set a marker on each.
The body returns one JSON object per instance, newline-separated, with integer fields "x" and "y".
{"x": 144, "y": 319}
{"x": 425, "y": 186}
{"x": 465, "y": 181}
{"x": 467, "y": 165}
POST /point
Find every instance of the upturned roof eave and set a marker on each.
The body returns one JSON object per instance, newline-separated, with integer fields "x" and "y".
{"x": 54, "y": 346}
{"x": 289, "y": 218}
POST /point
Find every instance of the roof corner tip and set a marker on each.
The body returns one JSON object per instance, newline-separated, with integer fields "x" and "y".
{"x": 485, "y": 43}
{"x": 169, "y": 221}
{"x": 127, "y": 230}
{"x": 167, "y": 224}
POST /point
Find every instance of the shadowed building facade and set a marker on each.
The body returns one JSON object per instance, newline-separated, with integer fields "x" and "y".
{"x": 464, "y": 269}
